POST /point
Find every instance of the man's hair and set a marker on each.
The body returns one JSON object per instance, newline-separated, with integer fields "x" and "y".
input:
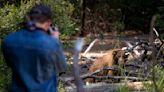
{"x": 40, "y": 13}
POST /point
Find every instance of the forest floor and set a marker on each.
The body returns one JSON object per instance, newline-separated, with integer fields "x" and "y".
{"x": 109, "y": 42}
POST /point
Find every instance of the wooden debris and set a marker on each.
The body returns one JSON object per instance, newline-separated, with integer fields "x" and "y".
{"x": 90, "y": 46}
{"x": 93, "y": 54}
{"x": 106, "y": 87}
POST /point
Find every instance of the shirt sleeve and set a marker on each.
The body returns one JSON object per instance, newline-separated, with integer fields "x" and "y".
{"x": 59, "y": 60}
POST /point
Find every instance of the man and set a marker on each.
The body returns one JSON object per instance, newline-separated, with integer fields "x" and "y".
{"x": 34, "y": 54}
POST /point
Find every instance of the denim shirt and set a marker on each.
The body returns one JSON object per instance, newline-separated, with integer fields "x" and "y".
{"x": 35, "y": 59}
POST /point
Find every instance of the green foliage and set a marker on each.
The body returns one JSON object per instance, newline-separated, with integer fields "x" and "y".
{"x": 149, "y": 87}
{"x": 135, "y": 14}
{"x": 60, "y": 87}
{"x": 118, "y": 26}
{"x": 11, "y": 16}
{"x": 159, "y": 79}
{"x": 67, "y": 44}
{"x": 123, "y": 89}
{"x": 62, "y": 11}
{"x": 5, "y": 78}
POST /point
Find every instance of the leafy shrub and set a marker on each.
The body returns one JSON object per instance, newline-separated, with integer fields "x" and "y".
{"x": 123, "y": 89}
{"x": 62, "y": 11}
{"x": 5, "y": 78}
{"x": 159, "y": 79}
{"x": 117, "y": 26}
{"x": 11, "y": 16}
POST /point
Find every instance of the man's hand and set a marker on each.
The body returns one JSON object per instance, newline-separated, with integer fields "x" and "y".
{"x": 54, "y": 32}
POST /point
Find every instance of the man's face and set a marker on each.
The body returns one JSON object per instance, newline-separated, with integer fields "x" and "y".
{"x": 47, "y": 25}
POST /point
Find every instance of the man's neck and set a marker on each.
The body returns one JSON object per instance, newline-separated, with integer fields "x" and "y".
{"x": 41, "y": 26}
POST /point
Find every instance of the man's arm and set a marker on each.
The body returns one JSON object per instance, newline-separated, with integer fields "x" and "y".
{"x": 59, "y": 60}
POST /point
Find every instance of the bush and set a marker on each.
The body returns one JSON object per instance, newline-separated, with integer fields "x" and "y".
{"x": 123, "y": 89}
{"x": 117, "y": 26}
{"x": 62, "y": 11}
{"x": 159, "y": 79}
{"x": 5, "y": 78}
{"x": 11, "y": 16}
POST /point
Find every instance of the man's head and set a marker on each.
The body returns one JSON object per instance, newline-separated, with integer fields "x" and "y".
{"x": 41, "y": 16}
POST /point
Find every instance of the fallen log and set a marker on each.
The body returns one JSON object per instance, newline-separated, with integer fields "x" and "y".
{"x": 93, "y": 75}
{"x": 89, "y": 55}
{"x": 106, "y": 87}
{"x": 67, "y": 79}
{"x": 64, "y": 79}
{"x": 134, "y": 65}
{"x": 90, "y": 46}
{"x": 118, "y": 77}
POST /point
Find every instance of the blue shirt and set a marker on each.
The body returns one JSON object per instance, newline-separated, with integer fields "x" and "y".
{"x": 35, "y": 59}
